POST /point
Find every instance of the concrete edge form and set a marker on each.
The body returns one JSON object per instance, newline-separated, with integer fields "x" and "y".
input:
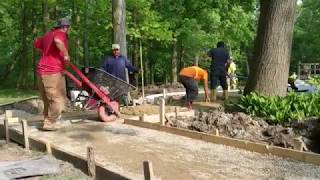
{"x": 76, "y": 160}
{"x": 237, "y": 143}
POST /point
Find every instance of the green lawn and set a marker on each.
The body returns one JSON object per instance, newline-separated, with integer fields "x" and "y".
{"x": 12, "y": 95}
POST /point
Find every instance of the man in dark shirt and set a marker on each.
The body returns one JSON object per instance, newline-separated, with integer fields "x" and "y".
{"x": 220, "y": 56}
{"x": 116, "y": 64}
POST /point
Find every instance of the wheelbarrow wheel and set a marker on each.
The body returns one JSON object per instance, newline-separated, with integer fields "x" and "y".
{"x": 106, "y": 114}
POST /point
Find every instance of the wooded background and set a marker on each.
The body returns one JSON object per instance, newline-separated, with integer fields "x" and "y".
{"x": 173, "y": 34}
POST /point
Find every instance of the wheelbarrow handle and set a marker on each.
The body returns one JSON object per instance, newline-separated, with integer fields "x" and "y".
{"x": 85, "y": 81}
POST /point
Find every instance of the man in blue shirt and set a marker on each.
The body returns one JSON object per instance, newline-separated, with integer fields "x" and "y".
{"x": 116, "y": 64}
{"x": 220, "y": 56}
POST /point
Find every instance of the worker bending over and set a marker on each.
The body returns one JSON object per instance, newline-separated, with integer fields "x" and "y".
{"x": 189, "y": 77}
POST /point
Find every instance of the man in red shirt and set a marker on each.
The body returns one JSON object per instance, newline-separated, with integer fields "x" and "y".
{"x": 51, "y": 81}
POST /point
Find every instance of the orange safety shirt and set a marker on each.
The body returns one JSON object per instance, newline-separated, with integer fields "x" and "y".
{"x": 194, "y": 72}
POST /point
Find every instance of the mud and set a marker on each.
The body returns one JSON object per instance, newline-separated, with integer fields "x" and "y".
{"x": 241, "y": 126}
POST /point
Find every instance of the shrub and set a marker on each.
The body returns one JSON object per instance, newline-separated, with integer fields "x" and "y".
{"x": 282, "y": 109}
{"x": 315, "y": 81}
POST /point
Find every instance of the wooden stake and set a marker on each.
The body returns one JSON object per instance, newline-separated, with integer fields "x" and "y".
{"x": 148, "y": 170}
{"x": 164, "y": 93}
{"x": 6, "y": 128}
{"x": 162, "y": 112}
{"x": 91, "y": 163}
{"x": 141, "y": 69}
{"x": 13, "y": 120}
{"x": 141, "y": 118}
{"x": 48, "y": 148}
{"x": 25, "y": 134}
{"x": 176, "y": 111}
{"x": 128, "y": 94}
{"x": 9, "y": 114}
{"x": 217, "y": 132}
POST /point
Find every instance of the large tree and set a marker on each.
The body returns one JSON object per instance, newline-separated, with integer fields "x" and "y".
{"x": 306, "y": 40}
{"x": 269, "y": 67}
{"x": 119, "y": 24}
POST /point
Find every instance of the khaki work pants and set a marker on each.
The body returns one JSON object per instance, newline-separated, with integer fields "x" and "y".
{"x": 52, "y": 89}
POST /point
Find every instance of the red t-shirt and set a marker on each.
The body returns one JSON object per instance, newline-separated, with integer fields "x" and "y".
{"x": 51, "y": 60}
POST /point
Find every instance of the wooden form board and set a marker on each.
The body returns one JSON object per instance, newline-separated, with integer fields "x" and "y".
{"x": 237, "y": 143}
{"x": 77, "y": 160}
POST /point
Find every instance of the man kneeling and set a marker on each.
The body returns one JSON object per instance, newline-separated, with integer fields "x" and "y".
{"x": 189, "y": 77}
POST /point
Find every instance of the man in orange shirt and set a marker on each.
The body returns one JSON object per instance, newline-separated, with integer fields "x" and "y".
{"x": 189, "y": 77}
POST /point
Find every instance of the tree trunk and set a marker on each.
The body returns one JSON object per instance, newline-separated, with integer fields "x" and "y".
{"x": 196, "y": 60}
{"x": 181, "y": 59}
{"x": 24, "y": 61}
{"x": 119, "y": 24}
{"x": 174, "y": 61}
{"x": 270, "y": 66}
{"x": 76, "y": 40}
{"x": 45, "y": 15}
{"x": 136, "y": 59}
{"x": 85, "y": 38}
{"x": 33, "y": 27}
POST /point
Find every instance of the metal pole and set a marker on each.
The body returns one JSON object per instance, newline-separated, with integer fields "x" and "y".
{"x": 142, "y": 74}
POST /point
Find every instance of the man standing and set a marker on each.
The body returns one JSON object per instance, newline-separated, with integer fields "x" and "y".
{"x": 189, "y": 77}
{"x": 231, "y": 74}
{"x": 51, "y": 81}
{"x": 116, "y": 63}
{"x": 220, "y": 56}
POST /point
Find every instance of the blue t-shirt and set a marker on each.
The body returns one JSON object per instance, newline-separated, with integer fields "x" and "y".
{"x": 219, "y": 57}
{"x": 116, "y": 66}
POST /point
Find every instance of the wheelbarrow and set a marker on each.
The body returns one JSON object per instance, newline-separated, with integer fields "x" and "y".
{"x": 104, "y": 91}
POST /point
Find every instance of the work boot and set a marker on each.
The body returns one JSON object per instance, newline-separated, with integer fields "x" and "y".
{"x": 50, "y": 127}
{"x": 213, "y": 95}
{"x": 225, "y": 94}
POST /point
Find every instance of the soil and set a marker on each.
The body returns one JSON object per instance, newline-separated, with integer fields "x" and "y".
{"x": 241, "y": 126}
{"x": 13, "y": 152}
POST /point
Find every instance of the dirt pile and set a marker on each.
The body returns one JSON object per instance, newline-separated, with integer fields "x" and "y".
{"x": 238, "y": 125}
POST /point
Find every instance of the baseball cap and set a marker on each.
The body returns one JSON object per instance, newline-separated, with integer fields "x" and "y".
{"x": 115, "y": 46}
{"x": 63, "y": 22}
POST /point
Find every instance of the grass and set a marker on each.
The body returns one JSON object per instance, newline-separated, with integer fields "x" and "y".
{"x": 13, "y": 95}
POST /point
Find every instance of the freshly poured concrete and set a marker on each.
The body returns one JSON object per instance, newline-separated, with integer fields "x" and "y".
{"x": 122, "y": 148}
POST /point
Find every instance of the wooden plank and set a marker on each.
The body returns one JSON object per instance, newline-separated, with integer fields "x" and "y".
{"x": 25, "y": 134}
{"x": 164, "y": 93}
{"x": 6, "y": 129}
{"x": 162, "y": 111}
{"x": 142, "y": 124}
{"x": 13, "y": 120}
{"x": 91, "y": 163}
{"x": 48, "y": 148}
{"x": 312, "y": 158}
{"x": 8, "y": 114}
{"x": 176, "y": 111}
{"x": 257, "y": 147}
{"x": 148, "y": 170}
{"x": 142, "y": 117}
{"x": 181, "y": 132}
